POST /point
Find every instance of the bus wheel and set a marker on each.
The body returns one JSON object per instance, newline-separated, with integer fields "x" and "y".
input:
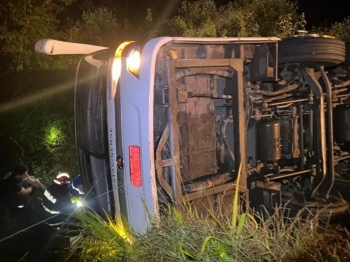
{"x": 312, "y": 50}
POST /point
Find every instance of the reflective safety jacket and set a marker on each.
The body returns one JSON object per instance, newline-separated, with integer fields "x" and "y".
{"x": 76, "y": 187}
{"x": 56, "y": 199}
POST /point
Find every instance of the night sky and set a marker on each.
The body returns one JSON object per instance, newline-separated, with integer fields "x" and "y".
{"x": 317, "y": 11}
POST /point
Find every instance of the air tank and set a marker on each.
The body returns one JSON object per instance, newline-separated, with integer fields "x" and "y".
{"x": 269, "y": 140}
{"x": 341, "y": 124}
{"x": 286, "y": 136}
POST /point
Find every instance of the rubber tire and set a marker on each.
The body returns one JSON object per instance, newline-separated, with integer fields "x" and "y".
{"x": 311, "y": 51}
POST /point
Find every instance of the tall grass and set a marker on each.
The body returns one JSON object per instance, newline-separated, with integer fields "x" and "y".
{"x": 185, "y": 235}
{"x": 188, "y": 236}
{"x": 101, "y": 240}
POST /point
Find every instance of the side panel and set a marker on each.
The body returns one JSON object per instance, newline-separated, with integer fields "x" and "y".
{"x": 114, "y": 130}
{"x": 112, "y": 133}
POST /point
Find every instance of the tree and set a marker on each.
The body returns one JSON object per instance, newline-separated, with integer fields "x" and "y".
{"x": 23, "y": 22}
{"x": 98, "y": 26}
{"x": 198, "y": 18}
{"x": 148, "y": 29}
{"x": 274, "y": 17}
{"x": 239, "y": 18}
{"x": 340, "y": 30}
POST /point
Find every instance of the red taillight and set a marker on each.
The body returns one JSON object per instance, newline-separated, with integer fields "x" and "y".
{"x": 135, "y": 166}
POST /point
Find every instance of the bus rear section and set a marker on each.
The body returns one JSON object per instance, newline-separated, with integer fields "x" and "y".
{"x": 186, "y": 121}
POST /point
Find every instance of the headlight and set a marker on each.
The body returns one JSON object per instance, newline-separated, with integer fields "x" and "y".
{"x": 133, "y": 62}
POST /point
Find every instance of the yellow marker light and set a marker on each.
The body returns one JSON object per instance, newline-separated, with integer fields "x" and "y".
{"x": 117, "y": 62}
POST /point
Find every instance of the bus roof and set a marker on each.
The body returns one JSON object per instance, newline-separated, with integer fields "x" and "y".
{"x": 55, "y": 47}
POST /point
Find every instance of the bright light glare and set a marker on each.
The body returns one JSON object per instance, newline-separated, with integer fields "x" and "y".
{"x": 80, "y": 203}
{"x": 134, "y": 61}
{"x": 117, "y": 62}
{"x": 20, "y": 206}
{"x": 53, "y": 135}
{"x": 116, "y": 68}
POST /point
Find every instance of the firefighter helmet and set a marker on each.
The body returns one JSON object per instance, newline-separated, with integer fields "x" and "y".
{"x": 62, "y": 178}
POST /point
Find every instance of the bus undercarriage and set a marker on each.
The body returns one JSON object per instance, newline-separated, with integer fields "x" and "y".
{"x": 282, "y": 112}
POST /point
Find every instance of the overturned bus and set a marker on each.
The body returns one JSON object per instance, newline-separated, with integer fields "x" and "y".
{"x": 174, "y": 118}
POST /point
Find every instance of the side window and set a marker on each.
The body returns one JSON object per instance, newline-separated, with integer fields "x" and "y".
{"x": 91, "y": 103}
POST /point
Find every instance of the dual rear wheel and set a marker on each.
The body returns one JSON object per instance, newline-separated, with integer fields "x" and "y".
{"x": 311, "y": 50}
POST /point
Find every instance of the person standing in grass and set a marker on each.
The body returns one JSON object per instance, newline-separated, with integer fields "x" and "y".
{"x": 13, "y": 187}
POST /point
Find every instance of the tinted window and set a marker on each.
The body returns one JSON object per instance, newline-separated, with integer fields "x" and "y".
{"x": 91, "y": 103}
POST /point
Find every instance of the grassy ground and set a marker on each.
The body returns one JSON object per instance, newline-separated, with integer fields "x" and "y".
{"x": 183, "y": 235}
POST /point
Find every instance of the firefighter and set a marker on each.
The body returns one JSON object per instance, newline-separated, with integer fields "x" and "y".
{"x": 57, "y": 200}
